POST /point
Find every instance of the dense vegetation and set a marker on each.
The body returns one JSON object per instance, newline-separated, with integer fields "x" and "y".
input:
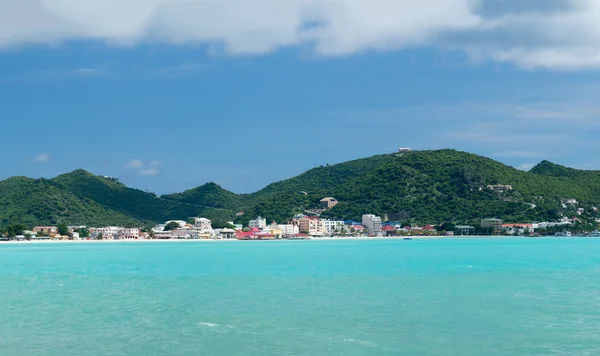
{"x": 422, "y": 186}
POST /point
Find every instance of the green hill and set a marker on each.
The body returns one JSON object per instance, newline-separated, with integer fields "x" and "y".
{"x": 208, "y": 195}
{"x": 421, "y": 186}
{"x": 41, "y": 202}
{"x": 115, "y": 196}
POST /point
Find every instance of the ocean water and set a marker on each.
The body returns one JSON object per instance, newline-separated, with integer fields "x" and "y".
{"x": 420, "y": 297}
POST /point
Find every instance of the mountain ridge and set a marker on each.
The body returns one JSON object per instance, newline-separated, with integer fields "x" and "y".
{"x": 420, "y": 186}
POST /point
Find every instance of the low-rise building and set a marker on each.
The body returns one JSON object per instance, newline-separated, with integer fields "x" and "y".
{"x": 388, "y": 230}
{"x": 331, "y": 227}
{"x": 500, "y": 188}
{"x": 50, "y": 231}
{"x": 464, "y": 230}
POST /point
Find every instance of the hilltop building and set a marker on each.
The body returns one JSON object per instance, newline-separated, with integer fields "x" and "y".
{"x": 330, "y": 202}
{"x": 499, "y": 188}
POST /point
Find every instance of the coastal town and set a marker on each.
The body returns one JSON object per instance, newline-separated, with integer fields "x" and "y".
{"x": 300, "y": 227}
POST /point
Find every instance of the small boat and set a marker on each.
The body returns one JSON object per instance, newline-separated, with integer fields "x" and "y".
{"x": 563, "y": 234}
{"x": 595, "y": 233}
{"x": 408, "y": 238}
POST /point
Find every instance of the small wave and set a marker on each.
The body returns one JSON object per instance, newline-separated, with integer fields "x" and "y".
{"x": 210, "y": 325}
{"x": 349, "y": 340}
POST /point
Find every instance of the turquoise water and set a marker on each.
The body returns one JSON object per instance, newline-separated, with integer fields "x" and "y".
{"x": 420, "y": 297}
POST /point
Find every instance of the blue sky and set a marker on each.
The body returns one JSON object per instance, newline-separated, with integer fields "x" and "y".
{"x": 245, "y": 98}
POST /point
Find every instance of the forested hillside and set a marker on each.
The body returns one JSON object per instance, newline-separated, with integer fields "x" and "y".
{"x": 421, "y": 186}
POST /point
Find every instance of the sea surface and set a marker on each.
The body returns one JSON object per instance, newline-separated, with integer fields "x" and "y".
{"x": 391, "y": 297}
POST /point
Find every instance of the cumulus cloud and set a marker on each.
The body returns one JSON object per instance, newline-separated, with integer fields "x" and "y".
{"x": 42, "y": 158}
{"x": 562, "y": 34}
{"x": 135, "y": 163}
{"x": 149, "y": 172}
{"x": 144, "y": 168}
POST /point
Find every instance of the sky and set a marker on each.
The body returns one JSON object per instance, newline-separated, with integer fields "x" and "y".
{"x": 167, "y": 95}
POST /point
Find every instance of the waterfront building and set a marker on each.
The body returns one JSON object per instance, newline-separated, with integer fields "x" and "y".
{"x": 494, "y": 226}
{"x": 388, "y": 230}
{"x": 51, "y": 231}
{"x": 259, "y": 223}
{"x": 311, "y": 225}
{"x": 517, "y": 229}
{"x": 129, "y": 233}
{"x": 463, "y": 230}
{"x": 330, "y": 227}
{"x": 203, "y": 223}
{"x": 372, "y": 223}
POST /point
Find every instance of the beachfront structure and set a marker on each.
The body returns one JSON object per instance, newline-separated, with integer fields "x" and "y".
{"x": 388, "y": 230}
{"x": 494, "y": 226}
{"x": 330, "y": 202}
{"x": 258, "y": 223}
{"x": 517, "y": 229}
{"x": 203, "y": 223}
{"x": 46, "y": 230}
{"x": 372, "y": 223}
{"x": 128, "y": 233}
{"x": 464, "y": 230}
{"x": 330, "y": 227}
{"x": 225, "y": 233}
{"x": 311, "y": 225}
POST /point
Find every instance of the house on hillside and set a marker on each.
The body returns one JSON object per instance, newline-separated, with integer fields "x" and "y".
{"x": 329, "y": 202}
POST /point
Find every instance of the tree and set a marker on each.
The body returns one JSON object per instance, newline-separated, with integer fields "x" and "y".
{"x": 28, "y": 236}
{"x": 15, "y": 230}
{"x": 171, "y": 226}
{"x": 63, "y": 230}
{"x": 83, "y": 232}
{"x": 99, "y": 237}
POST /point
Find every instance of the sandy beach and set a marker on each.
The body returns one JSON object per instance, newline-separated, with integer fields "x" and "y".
{"x": 341, "y": 238}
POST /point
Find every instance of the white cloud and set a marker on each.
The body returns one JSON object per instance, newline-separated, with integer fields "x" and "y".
{"x": 149, "y": 172}
{"x": 563, "y": 34}
{"x": 144, "y": 168}
{"x": 135, "y": 163}
{"x": 42, "y": 158}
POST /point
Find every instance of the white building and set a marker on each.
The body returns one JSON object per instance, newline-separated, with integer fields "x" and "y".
{"x": 372, "y": 223}
{"x": 289, "y": 229}
{"x": 107, "y": 232}
{"x": 203, "y": 223}
{"x": 258, "y": 223}
{"x": 331, "y": 226}
{"x": 129, "y": 233}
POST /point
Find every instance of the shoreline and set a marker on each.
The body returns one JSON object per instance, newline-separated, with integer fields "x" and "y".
{"x": 359, "y": 238}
